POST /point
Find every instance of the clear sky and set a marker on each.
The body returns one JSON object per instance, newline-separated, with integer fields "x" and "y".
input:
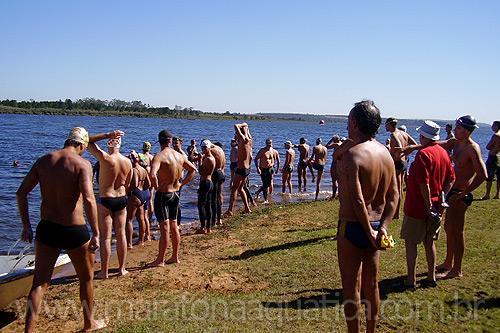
{"x": 415, "y": 59}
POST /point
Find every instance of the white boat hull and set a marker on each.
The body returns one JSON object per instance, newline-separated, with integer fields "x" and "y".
{"x": 16, "y": 276}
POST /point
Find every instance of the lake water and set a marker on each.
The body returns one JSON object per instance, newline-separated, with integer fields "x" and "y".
{"x": 26, "y": 137}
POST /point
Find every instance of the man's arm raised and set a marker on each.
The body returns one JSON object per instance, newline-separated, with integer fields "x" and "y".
{"x": 95, "y": 149}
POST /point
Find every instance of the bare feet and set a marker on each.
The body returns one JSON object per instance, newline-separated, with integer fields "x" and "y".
{"x": 247, "y": 211}
{"x": 172, "y": 261}
{"x": 486, "y": 197}
{"x": 156, "y": 263}
{"x": 200, "y": 231}
{"x": 227, "y": 214}
{"x": 451, "y": 275}
{"x": 122, "y": 272}
{"x": 218, "y": 222}
{"x": 265, "y": 202}
{"x": 129, "y": 246}
{"x": 101, "y": 275}
{"x": 442, "y": 268}
{"x": 96, "y": 325}
{"x": 495, "y": 197}
{"x": 208, "y": 231}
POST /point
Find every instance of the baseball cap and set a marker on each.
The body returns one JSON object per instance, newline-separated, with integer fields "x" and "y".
{"x": 429, "y": 129}
{"x": 289, "y": 143}
{"x": 391, "y": 120}
{"x": 80, "y": 135}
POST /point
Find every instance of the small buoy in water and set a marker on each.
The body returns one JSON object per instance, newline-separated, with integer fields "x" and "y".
{"x": 321, "y": 122}
{"x": 16, "y": 163}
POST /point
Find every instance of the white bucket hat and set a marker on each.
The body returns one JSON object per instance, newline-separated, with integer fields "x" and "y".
{"x": 430, "y": 130}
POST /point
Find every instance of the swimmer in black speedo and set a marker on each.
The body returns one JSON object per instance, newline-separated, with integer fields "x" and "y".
{"x": 115, "y": 174}
{"x": 65, "y": 180}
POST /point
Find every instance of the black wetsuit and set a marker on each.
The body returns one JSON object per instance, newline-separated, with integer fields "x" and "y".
{"x": 166, "y": 205}
{"x": 218, "y": 180}
{"x": 204, "y": 209}
{"x": 266, "y": 175}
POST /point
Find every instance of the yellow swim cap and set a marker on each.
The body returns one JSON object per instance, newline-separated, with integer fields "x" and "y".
{"x": 146, "y": 146}
{"x": 79, "y": 134}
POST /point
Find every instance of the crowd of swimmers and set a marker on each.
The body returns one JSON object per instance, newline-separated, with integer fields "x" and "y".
{"x": 369, "y": 178}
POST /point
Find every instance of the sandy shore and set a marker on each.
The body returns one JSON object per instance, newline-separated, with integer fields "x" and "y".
{"x": 61, "y": 309}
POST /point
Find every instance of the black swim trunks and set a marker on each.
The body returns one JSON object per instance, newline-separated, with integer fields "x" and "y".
{"x": 401, "y": 165}
{"x": 493, "y": 167}
{"x": 318, "y": 167}
{"x": 242, "y": 172}
{"x": 354, "y": 232}
{"x": 289, "y": 168}
{"x": 166, "y": 205}
{"x": 218, "y": 176}
{"x": 63, "y": 237}
{"x": 468, "y": 199}
{"x": 114, "y": 204}
{"x": 266, "y": 175}
{"x": 302, "y": 164}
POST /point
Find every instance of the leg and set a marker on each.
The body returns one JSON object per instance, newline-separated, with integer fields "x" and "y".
{"x": 208, "y": 210}
{"x": 220, "y": 202}
{"x": 83, "y": 261}
{"x": 176, "y": 242}
{"x": 309, "y": 166}
{"x": 430, "y": 253}
{"x": 131, "y": 212}
{"x": 448, "y": 228}
{"x": 304, "y": 179}
{"x": 350, "y": 265}
{"x": 162, "y": 244}
{"x": 459, "y": 242}
{"x": 289, "y": 181}
{"x": 283, "y": 181}
{"x": 369, "y": 285}
{"x": 140, "y": 215}
{"x": 119, "y": 219}
{"x": 333, "y": 174}
{"x": 318, "y": 181}
{"x": 399, "y": 178}
{"x": 486, "y": 196}
{"x": 498, "y": 188}
{"x": 45, "y": 259}
{"x": 243, "y": 194}
{"x": 213, "y": 204}
{"x": 236, "y": 182}
{"x": 105, "y": 227}
{"x": 201, "y": 209}
{"x": 411, "y": 261}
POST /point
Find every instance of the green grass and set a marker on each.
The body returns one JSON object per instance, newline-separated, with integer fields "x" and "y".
{"x": 288, "y": 262}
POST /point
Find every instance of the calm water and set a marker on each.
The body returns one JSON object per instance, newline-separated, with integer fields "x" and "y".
{"x": 26, "y": 137}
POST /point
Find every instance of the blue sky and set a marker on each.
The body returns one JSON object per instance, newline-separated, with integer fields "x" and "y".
{"x": 418, "y": 59}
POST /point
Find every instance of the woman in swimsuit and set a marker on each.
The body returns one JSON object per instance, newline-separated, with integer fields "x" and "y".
{"x": 139, "y": 195}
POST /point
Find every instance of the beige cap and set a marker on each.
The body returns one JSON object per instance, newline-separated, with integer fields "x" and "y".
{"x": 79, "y": 134}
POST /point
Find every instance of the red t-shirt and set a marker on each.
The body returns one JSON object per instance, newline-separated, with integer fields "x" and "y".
{"x": 432, "y": 166}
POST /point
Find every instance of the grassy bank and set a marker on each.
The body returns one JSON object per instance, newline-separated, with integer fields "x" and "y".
{"x": 276, "y": 270}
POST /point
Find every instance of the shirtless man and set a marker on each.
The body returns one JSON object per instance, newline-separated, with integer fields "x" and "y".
{"x": 207, "y": 167}
{"x": 192, "y": 153}
{"x": 334, "y": 143}
{"x": 166, "y": 172}
{"x": 245, "y": 142}
{"x": 218, "y": 179}
{"x": 368, "y": 198}
{"x": 115, "y": 174}
{"x": 288, "y": 167}
{"x": 318, "y": 161}
{"x": 493, "y": 161}
{"x": 399, "y": 141}
{"x": 265, "y": 161}
{"x": 233, "y": 159}
{"x": 138, "y": 197}
{"x": 177, "y": 145}
{"x": 303, "y": 148}
{"x": 470, "y": 172}
{"x": 65, "y": 180}
{"x": 449, "y": 132}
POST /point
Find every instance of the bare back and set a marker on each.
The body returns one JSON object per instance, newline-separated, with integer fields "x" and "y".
{"x": 61, "y": 175}
{"x": 289, "y": 157}
{"x": 374, "y": 170}
{"x": 320, "y": 154}
{"x": 304, "y": 151}
{"x": 114, "y": 175}
{"x": 220, "y": 158}
{"x": 400, "y": 139}
{"x": 168, "y": 166}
